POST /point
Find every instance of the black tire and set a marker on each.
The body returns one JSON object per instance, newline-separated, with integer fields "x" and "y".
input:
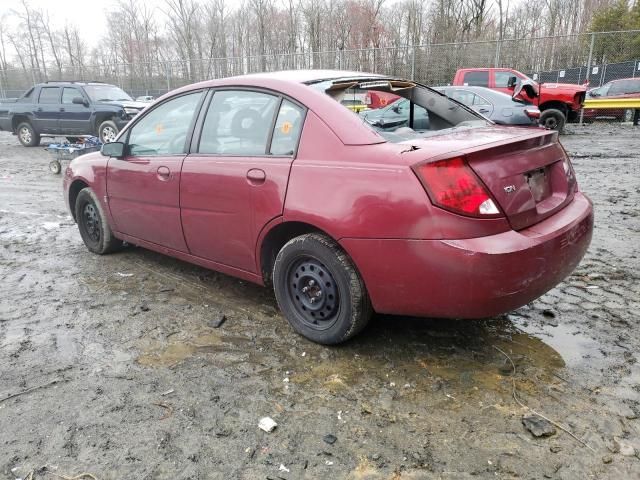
{"x": 553, "y": 119}
{"x": 107, "y": 131}
{"x": 335, "y": 305}
{"x": 93, "y": 225}
{"x": 27, "y": 135}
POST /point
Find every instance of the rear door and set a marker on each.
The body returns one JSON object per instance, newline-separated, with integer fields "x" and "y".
{"x": 47, "y": 110}
{"x": 74, "y": 118}
{"x": 143, "y": 188}
{"x": 235, "y": 180}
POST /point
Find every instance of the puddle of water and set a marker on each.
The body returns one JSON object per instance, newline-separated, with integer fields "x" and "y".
{"x": 575, "y": 348}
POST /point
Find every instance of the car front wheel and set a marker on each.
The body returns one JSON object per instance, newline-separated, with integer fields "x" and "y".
{"x": 93, "y": 225}
{"x": 319, "y": 290}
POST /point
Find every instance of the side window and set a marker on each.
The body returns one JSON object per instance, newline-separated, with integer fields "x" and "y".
{"x": 287, "y": 129}
{"x": 478, "y": 100}
{"x": 238, "y": 122}
{"x": 463, "y": 96}
{"x": 632, "y": 86}
{"x": 163, "y": 131}
{"x": 68, "y": 94}
{"x": 502, "y": 79}
{"x": 49, "y": 95}
{"x": 478, "y": 79}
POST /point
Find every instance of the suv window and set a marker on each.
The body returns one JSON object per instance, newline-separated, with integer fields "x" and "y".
{"x": 238, "y": 122}
{"x": 632, "y": 86}
{"x": 49, "y": 95}
{"x": 69, "y": 93}
{"x": 163, "y": 131}
{"x": 287, "y": 129}
{"x": 617, "y": 88}
{"x": 502, "y": 79}
{"x": 478, "y": 79}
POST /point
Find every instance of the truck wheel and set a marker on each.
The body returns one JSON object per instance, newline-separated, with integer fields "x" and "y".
{"x": 27, "y": 135}
{"x": 319, "y": 290}
{"x": 553, "y": 119}
{"x": 93, "y": 225}
{"x": 107, "y": 132}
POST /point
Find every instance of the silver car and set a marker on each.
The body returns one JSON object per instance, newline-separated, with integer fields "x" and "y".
{"x": 496, "y": 106}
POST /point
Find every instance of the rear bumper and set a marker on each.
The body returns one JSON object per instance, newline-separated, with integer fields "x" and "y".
{"x": 473, "y": 278}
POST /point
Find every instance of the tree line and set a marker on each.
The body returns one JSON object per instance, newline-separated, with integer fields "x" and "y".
{"x": 178, "y": 34}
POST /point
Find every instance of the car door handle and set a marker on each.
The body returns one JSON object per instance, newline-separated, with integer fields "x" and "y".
{"x": 62, "y": 109}
{"x": 256, "y": 176}
{"x": 483, "y": 110}
{"x": 39, "y": 109}
{"x": 164, "y": 173}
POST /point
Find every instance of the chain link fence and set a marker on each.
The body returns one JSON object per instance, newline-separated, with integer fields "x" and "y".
{"x": 597, "y": 57}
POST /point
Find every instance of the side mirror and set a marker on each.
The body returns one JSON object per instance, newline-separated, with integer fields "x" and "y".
{"x": 512, "y": 82}
{"x": 113, "y": 149}
{"x": 80, "y": 101}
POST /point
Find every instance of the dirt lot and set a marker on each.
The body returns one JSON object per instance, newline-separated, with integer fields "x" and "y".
{"x": 135, "y": 383}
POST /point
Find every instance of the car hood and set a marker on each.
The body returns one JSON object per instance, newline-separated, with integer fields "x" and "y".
{"x": 568, "y": 87}
{"x": 127, "y": 104}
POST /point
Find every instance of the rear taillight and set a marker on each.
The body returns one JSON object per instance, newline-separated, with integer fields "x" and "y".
{"x": 452, "y": 185}
{"x": 532, "y": 112}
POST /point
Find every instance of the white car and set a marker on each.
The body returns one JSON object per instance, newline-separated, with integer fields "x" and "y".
{"x": 145, "y": 99}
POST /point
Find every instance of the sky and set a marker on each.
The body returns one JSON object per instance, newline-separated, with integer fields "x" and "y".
{"x": 87, "y": 15}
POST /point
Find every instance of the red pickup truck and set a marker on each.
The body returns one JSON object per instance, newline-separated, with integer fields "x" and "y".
{"x": 558, "y": 102}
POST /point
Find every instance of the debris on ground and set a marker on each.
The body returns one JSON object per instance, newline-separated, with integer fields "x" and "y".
{"x": 217, "y": 321}
{"x": 330, "y": 439}
{"x": 538, "y": 426}
{"x": 267, "y": 424}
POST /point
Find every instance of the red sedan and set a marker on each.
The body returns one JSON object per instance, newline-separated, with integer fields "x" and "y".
{"x": 269, "y": 178}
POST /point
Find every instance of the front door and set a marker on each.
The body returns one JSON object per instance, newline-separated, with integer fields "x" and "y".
{"x": 75, "y": 118}
{"x": 143, "y": 188}
{"x": 235, "y": 181}
{"x": 47, "y": 110}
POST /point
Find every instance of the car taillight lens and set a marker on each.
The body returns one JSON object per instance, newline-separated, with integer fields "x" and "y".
{"x": 532, "y": 112}
{"x": 452, "y": 185}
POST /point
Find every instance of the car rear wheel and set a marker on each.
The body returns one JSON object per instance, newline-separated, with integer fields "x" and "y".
{"x": 108, "y": 131}
{"x": 553, "y": 119}
{"x": 93, "y": 225}
{"x": 319, "y": 290}
{"x": 27, "y": 135}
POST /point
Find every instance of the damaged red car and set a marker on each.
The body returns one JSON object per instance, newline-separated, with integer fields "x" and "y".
{"x": 269, "y": 178}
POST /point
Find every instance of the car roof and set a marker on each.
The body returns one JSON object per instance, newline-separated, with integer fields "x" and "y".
{"x": 310, "y": 76}
{"x": 56, "y": 83}
{"x": 482, "y": 91}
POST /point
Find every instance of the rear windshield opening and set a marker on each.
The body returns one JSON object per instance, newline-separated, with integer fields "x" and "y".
{"x": 400, "y": 110}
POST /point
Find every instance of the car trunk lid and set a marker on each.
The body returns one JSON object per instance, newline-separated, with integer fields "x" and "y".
{"x": 526, "y": 171}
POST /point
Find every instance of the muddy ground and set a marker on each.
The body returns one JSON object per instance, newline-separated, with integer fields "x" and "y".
{"x": 135, "y": 383}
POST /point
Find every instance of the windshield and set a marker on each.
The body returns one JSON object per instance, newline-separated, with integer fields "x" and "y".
{"x": 400, "y": 110}
{"x": 106, "y": 93}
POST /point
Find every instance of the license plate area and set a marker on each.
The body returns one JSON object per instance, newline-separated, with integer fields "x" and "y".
{"x": 539, "y": 184}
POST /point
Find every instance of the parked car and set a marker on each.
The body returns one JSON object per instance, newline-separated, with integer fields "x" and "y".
{"x": 68, "y": 109}
{"x": 354, "y": 105}
{"x": 145, "y": 99}
{"x": 374, "y": 99}
{"x": 623, "y": 88}
{"x": 497, "y": 106}
{"x": 558, "y": 102}
{"x": 268, "y": 178}
{"x": 397, "y": 114}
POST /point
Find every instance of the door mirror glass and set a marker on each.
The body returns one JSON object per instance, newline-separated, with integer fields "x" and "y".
{"x": 113, "y": 149}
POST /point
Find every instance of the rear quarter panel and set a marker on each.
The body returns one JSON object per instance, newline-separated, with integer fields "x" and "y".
{"x": 90, "y": 169}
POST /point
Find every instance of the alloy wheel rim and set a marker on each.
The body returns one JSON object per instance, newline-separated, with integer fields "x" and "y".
{"x": 25, "y": 135}
{"x": 314, "y": 293}
{"x": 91, "y": 222}
{"x": 108, "y": 134}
